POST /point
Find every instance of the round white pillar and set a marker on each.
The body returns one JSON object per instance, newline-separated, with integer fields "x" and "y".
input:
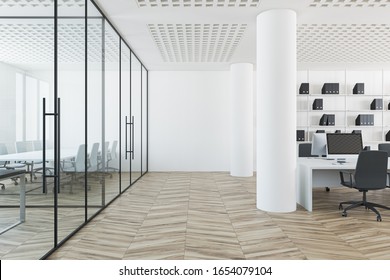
{"x": 276, "y": 110}
{"x": 241, "y": 93}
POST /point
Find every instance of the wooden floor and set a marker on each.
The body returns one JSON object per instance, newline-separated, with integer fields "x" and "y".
{"x": 214, "y": 216}
{"x": 35, "y": 237}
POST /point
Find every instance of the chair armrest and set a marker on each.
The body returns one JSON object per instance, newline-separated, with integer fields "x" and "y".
{"x": 67, "y": 164}
{"x": 388, "y": 180}
{"x": 342, "y": 178}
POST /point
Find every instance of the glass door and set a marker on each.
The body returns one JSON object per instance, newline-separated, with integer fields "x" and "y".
{"x": 125, "y": 151}
{"x": 71, "y": 122}
{"x": 136, "y": 118}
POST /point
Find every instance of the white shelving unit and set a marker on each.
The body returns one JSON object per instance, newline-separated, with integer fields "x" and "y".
{"x": 346, "y": 106}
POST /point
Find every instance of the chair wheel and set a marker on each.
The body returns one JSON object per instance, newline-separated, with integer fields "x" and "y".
{"x": 3, "y": 187}
{"x": 340, "y": 207}
{"x": 327, "y": 189}
{"x": 379, "y": 219}
{"x": 344, "y": 214}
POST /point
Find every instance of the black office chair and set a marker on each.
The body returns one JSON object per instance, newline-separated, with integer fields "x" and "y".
{"x": 304, "y": 150}
{"x": 370, "y": 174}
{"x": 384, "y": 147}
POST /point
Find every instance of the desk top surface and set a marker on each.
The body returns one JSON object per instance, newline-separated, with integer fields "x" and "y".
{"x": 10, "y": 172}
{"x": 323, "y": 163}
{"x": 38, "y": 155}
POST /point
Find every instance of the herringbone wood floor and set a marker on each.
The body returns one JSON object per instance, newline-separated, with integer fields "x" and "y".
{"x": 214, "y": 216}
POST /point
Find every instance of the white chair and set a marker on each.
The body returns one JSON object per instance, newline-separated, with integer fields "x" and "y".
{"x": 112, "y": 156}
{"x": 7, "y": 165}
{"x": 28, "y": 146}
{"x": 74, "y": 167}
{"x": 93, "y": 160}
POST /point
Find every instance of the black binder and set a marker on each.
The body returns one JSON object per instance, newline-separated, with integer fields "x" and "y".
{"x": 300, "y": 135}
{"x": 358, "y": 88}
{"x": 324, "y": 120}
{"x": 330, "y": 88}
{"x": 304, "y": 88}
{"x": 318, "y": 104}
{"x": 331, "y": 119}
{"x": 364, "y": 119}
{"x": 377, "y": 104}
{"x": 328, "y": 119}
{"x": 388, "y": 136}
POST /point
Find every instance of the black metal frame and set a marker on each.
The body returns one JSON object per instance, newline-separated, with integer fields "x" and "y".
{"x": 57, "y": 124}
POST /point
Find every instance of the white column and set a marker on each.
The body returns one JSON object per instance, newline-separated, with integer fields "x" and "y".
{"x": 276, "y": 110}
{"x": 241, "y": 92}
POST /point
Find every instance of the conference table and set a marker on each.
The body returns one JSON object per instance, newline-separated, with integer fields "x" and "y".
{"x": 6, "y": 174}
{"x": 37, "y": 157}
{"x": 319, "y": 173}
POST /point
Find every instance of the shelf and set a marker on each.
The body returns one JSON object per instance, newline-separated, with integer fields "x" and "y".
{"x": 328, "y": 126}
{"x": 365, "y": 95}
{"x": 363, "y": 126}
{"x": 364, "y": 111}
{"x": 346, "y": 106}
{"x": 327, "y": 111}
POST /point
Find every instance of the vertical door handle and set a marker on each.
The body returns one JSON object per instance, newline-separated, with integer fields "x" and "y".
{"x": 126, "y": 133}
{"x": 132, "y": 137}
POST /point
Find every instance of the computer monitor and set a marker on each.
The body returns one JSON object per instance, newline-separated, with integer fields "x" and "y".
{"x": 343, "y": 145}
{"x": 318, "y": 144}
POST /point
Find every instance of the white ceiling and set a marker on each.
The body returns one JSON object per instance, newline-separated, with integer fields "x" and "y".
{"x": 197, "y": 34}
{"x": 212, "y": 34}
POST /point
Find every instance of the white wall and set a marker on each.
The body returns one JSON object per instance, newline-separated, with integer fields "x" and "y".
{"x": 189, "y": 121}
{"x": 8, "y": 106}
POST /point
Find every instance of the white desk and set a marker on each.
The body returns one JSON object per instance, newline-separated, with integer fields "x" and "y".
{"x": 318, "y": 172}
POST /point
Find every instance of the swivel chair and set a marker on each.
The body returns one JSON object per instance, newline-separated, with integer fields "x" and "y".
{"x": 384, "y": 147}
{"x": 370, "y": 174}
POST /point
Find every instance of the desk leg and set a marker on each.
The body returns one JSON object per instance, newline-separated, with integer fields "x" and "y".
{"x": 304, "y": 187}
{"x": 22, "y": 198}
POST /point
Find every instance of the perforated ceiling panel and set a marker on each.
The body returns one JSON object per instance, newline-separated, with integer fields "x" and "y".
{"x": 343, "y": 43}
{"x": 28, "y": 43}
{"x": 40, "y": 3}
{"x": 197, "y": 42}
{"x": 350, "y": 3}
{"x": 197, "y": 3}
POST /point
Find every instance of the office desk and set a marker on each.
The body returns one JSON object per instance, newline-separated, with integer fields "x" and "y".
{"x": 318, "y": 172}
{"x": 6, "y": 174}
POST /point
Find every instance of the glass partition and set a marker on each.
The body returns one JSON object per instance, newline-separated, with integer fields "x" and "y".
{"x": 111, "y": 112}
{"x": 125, "y": 155}
{"x": 95, "y": 109}
{"x": 136, "y": 123}
{"x": 144, "y": 128}
{"x": 75, "y": 97}
{"x": 26, "y": 77}
{"x": 71, "y": 123}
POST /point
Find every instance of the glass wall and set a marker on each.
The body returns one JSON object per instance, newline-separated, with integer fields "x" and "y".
{"x": 144, "y": 120}
{"x": 75, "y": 99}
{"x": 136, "y": 123}
{"x": 125, "y": 151}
